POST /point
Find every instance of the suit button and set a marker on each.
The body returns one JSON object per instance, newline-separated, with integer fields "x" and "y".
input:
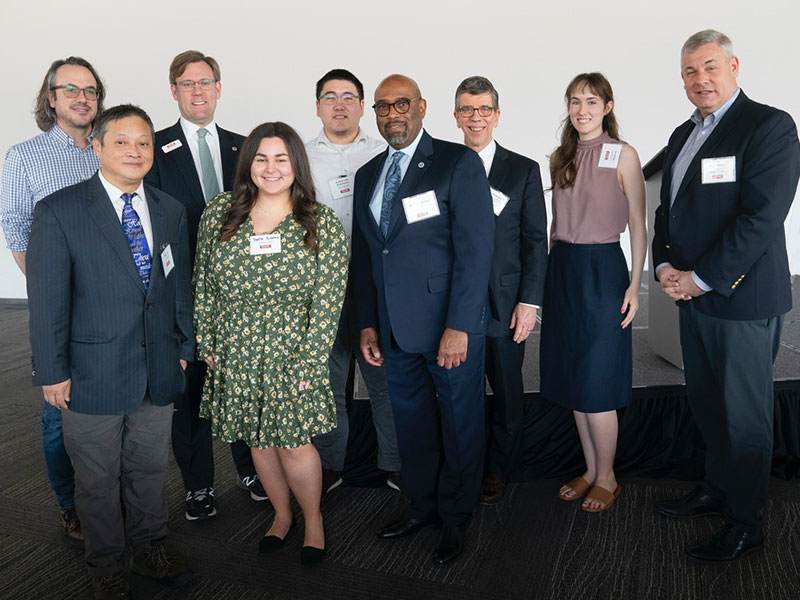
{"x": 148, "y": 306}
{"x": 386, "y": 251}
{"x": 144, "y": 345}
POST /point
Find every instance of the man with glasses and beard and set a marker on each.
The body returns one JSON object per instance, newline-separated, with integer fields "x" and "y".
{"x": 423, "y": 239}
{"x": 70, "y": 98}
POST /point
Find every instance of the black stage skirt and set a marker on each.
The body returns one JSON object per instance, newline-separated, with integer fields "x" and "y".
{"x": 585, "y": 359}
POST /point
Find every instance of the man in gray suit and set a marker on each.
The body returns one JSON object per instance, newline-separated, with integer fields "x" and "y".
{"x": 110, "y": 323}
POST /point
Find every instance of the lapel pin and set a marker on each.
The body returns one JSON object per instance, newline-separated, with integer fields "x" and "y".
{"x": 420, "y": 165}
{"x": 234, "y": 148}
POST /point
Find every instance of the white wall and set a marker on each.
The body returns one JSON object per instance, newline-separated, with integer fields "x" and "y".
{"x": 271, "y": 54}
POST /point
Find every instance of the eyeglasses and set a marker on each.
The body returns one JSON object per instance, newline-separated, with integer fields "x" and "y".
{"x": 187, "y": 85}
{"x": 347, "y": 99}
{"x": 468, "y": 111}
{"x": 73, "y": 91}
{"x": 401, "y": 106}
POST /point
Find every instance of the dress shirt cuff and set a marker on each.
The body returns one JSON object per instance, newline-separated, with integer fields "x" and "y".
{"x": 536, "y": 306}
{"x": 700, "y": 283}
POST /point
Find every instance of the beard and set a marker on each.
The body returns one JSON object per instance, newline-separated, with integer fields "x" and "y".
{"x": 395, "y": 138}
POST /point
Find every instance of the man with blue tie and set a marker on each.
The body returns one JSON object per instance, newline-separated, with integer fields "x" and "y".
{"x": 195, "y": 159}
{"x": 423, "y": 239}
{"x": 111, "y": 332}
{"x": 730, "y": 175}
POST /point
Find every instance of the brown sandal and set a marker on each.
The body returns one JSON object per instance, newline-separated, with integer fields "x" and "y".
{"x": 579, "y": 485}
{"x": 601, "y": 494}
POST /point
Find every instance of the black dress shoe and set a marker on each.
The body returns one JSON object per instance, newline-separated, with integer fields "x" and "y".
{"x": 272, "y": 543}
{"x": 729, "y": 543}
{"x": 450, "y": 544}
{"x": 309, "y": 555}
{"x": 699, "y": 502}
{"x": 403, "y": 527}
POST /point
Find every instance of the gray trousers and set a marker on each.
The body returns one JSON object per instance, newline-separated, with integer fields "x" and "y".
{"x": 332, "y": 446}
{"x": 113, "y": 452}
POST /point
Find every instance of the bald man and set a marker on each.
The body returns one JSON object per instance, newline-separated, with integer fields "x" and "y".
{"x": 423, "y": 239}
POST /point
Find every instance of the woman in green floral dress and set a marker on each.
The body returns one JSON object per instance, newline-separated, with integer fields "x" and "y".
{"x": 269, "y": 281}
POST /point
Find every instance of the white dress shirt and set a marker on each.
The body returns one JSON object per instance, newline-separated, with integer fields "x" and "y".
{"x": 377, "y": 198}
{"x": 139, "y": 204}
{"x": 212, "y": 139}
{"x": 487, "y": 156}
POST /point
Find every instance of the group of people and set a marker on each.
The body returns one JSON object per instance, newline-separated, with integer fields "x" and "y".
{"x": 193, "y": 281}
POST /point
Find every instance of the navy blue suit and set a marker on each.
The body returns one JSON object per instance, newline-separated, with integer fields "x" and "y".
{"x": 91, "y": 319}
{"x": 174, "y": 172}
{"x": 422, "y": 278}
{"x": 732, "y": 235}
{"x": 519, "y": 266}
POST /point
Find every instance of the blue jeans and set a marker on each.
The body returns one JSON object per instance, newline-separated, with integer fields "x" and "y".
{"x": 59, "y": 467}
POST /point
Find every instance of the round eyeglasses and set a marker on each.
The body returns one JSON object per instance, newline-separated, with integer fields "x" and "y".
{"x": 468, "y": 111}
{"x": 400, "y": 106}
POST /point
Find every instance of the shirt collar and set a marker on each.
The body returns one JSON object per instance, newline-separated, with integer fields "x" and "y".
{"x": 62, "y": 137}
{"x": 408, "y": 150}
{"x": 487, "y": 155}
{"x": 322, "y": 140}
{"x": 714, "y": 117}
{"x": 190, "y": 129}
{"x": 114, "y": 192}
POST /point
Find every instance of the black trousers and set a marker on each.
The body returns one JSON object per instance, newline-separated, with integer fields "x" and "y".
{"x": 504, "y": 410}
{"x": 191, "y": 437}
{"x": 728, "y": 370}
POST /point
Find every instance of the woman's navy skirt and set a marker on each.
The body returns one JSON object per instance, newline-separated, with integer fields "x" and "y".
{"x": 585, "y": 358}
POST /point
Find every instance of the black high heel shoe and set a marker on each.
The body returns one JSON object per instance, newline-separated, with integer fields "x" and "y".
{"x": 272, "y": 543}
{"x": 309, "y": 555}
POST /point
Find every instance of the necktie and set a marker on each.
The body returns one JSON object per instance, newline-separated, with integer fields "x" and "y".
{"x": 137, "y": 241}
{"x": 390, "y": 188}
{"x": 210, "y": 183}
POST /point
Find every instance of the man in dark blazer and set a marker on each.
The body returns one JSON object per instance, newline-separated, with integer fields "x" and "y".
{"x": 730, "y": 175}
{"x": 422, "y": 245}
{"x": 110, "y": 320}
{"x": 195, "y": 159}
{"x": 516, "y": 283}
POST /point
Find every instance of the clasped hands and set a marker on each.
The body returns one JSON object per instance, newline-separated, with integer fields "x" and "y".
{"x": 678, "y": 285}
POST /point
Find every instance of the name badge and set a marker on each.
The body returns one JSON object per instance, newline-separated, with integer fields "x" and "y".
{"x": 341, "y": 187}
{"x": 609, "y": 156}
{"x": 421, "y": 207}
{"x": 166, "y": 260}
{"x": 719, "y": 170}
{"x": 499, "y": 201}
{"x": 268, "y": 243}
{"x": 167, "y": 148}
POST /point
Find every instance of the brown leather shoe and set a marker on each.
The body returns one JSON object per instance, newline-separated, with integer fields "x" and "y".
{"x": 168, "y": 569}
{"x": 111, "y": 587}
{"x": 492, "y": 489}
{"x": 71, "y": 525}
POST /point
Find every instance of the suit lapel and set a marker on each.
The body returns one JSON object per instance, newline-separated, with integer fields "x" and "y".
{"x": 420, "y": 163}
{"x": 366, "y": 213}
{"x": 229, "y": 152}
{"x": 103, "y": 213}
{"x": 499, "y": 170}
{"x": 182, "y": 161}
{"x": 159, "y": 235}
{"x": 669, "y": 160}
{"x": 725, "y": 126}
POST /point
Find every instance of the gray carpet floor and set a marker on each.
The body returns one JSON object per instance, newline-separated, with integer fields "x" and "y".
{"x": 530, "y": 546}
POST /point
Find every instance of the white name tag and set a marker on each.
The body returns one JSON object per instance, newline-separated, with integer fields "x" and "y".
{"x": 167, "y": 148}
{"x": 609, "y": 156}
{"x": 499, "y": 201}
{"x": 166, "y": 260}
{"x": 420, "y": 207}
{"x": 268, "y": 243}
{"x": 341, "y": 187}
{"x": 719, "y": 170}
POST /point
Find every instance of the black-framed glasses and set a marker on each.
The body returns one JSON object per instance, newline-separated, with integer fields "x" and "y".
{"x": 73, "y": 91}
{"x": 468, "y": 111}
{"x": 400, "y": 105}
{"x": 347, "y": 99}
{"x": 188, "y": 84}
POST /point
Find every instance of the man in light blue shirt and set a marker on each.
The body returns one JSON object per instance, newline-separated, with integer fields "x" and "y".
{"x": 70, "y": 98}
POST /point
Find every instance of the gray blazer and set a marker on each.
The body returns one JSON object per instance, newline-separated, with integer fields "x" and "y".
{"x": 91, "y": 319}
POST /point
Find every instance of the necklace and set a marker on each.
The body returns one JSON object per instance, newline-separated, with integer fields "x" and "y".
{"x": 259, "y": 209}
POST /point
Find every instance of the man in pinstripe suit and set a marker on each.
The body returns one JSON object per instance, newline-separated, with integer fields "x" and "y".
{"x": 110, "y": 322}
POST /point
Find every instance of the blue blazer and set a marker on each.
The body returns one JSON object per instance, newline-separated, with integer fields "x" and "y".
{"x": 519, "y": 264}
{"x": 431, "y": 274}
{"x": 732, "y": 234}
{"x": 174, "y": 172}
{"x": 91, "y": 319}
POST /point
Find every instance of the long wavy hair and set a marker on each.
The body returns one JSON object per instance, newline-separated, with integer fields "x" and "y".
{"x": 44, "y": 113}
{"x": 562, "y": 162}
{"x": 245, "y": 192}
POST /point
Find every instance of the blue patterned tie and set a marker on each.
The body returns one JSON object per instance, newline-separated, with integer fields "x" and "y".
{"x": 390, "y": 188}
{"x": 137, "y": 241}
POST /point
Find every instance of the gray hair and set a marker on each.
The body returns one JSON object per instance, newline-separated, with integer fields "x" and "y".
{"x": 477, "y": 85}
{"x": 708, "y": 36}
{"x": 46, "y": 114}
